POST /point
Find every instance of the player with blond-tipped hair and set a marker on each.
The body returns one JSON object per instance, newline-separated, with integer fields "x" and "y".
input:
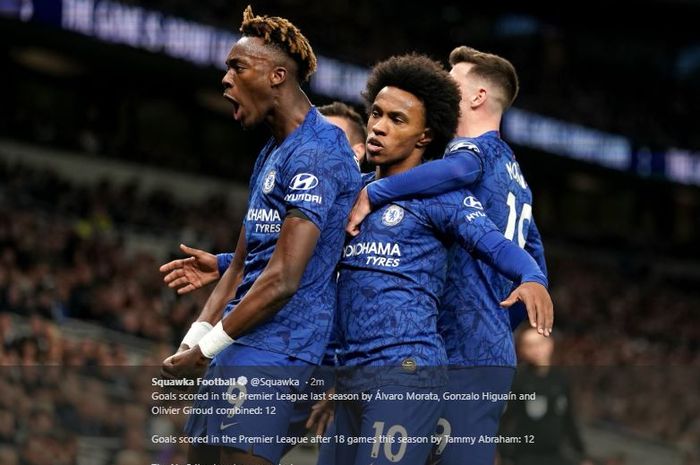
{"x": 201, "y": 267}
{"x": 277, "y": 297}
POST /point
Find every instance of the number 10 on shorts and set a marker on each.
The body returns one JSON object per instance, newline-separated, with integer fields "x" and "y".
{"x": 388, "y": 441}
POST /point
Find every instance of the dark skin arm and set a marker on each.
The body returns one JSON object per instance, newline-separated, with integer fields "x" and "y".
{"x": 275, "y": 286}
{"x": 225, "y": 289}
{"x": 223, "y": 292}
{"x": 280, "y": 279}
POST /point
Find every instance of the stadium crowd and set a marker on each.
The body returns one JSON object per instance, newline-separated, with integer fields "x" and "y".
{"x": 62, "y": 251}
{"x": 52, "y": 414}
{"x": 631, "y": 344}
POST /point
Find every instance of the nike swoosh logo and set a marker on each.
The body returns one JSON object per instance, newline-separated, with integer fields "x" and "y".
{"x": 223, "y": 425}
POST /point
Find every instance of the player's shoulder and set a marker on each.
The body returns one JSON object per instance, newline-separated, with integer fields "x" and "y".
{"x": 487, "y": 145}
{"x": 322, "y": 145}
{"x": 464, "y": 145}
{"x": 325, "y": 147}
{"x": 495, "y": 147}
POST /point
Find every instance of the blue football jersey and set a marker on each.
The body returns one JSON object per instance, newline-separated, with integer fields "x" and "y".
{"x": 392, "y": 275}
{"x": 476, "y": 329}
{"x": 314, "y": 171}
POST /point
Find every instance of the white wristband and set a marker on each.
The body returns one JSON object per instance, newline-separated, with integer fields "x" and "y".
{"x": 215, "y": 341}
{"x": 197, "y": 331}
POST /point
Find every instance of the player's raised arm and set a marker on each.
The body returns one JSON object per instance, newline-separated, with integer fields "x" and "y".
{"x": 479, "y": 235}
{"x": 460, "y": 169}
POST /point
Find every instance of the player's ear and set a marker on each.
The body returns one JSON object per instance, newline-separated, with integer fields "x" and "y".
{"x": 425, "y": 139}
{"x": 479, "y": 97}
{"x": 278, "y": 75}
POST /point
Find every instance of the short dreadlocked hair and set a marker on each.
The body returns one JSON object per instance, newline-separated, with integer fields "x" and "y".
{"x": 283, "y": 35}
{"x": 493, "y": 68}
{"x": 430, "y": 83}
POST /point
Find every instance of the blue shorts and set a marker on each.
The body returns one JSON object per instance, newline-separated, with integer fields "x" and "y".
{"x": 383, "y": 432}
{"x": 242, "y": 406}
{"x": 472, "y": 418}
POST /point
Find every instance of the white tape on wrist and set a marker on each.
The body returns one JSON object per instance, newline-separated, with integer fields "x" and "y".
{"x": 197, "y": 331}
{"x": 215, "y": 341}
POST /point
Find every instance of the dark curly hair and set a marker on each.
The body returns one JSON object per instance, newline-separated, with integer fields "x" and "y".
{"x": 285, "y": 36}
{"x": 430, "y": 83}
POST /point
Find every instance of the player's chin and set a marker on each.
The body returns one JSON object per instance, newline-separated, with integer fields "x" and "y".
{"x": 374, "y": 158}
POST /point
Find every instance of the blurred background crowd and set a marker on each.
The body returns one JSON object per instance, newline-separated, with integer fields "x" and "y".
{"x": 81, "y": 299}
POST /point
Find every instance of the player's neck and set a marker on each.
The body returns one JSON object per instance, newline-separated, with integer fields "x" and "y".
{"x": 474, "y": 125}
{"x": 391, "y": 169}
{"x": 289, "y": 112}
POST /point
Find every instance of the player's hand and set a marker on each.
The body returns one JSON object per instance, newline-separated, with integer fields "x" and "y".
{"x": 321, "y": 415}
{"x": 359, "y": 212}
{"x": 182, "y": 348}
{"x": 188, "y": 274}
{"x": 540, "y": 309}
{"x": 190, "y": 363}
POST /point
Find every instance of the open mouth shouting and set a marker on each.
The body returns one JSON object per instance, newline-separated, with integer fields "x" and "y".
{"x": 237, "y": 113}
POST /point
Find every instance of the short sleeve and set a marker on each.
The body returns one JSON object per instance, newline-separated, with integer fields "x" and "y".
{"x": 312, "y": 184}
